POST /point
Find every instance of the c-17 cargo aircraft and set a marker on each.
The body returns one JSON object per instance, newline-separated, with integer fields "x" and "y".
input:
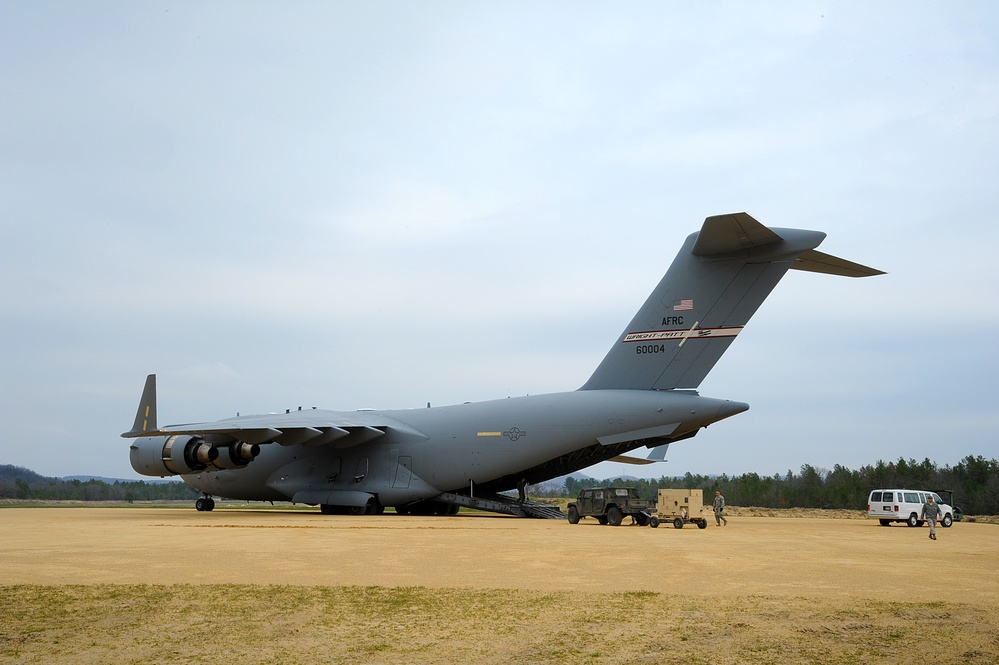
{"x": 434, "y": 460}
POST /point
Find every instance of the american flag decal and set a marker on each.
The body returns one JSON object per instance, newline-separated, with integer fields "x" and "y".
{"x": 683, "y": 305}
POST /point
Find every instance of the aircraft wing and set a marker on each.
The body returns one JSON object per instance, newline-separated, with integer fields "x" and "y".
{"x": 658, "y": 454}
{"x": 625, "y": 459}
{"x": 309, "y": 428}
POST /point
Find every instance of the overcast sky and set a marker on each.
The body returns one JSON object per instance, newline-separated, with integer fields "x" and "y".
{"x": 351, "y": 205}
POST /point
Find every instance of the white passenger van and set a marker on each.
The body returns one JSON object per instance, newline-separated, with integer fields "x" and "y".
{"x": 905, "y": 506}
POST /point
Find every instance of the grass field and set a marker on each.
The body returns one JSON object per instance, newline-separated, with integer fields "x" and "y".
{"x": 295, "y": 624}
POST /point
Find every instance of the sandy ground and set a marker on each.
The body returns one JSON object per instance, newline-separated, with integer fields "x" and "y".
{"x": 767, "y": 566}
{"x": 777, "y": 556}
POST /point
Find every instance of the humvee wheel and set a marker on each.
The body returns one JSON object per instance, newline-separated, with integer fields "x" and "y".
{"x": 573, "y": 515}
{"x": 642, "y": 520}
{"x": 614, "y": 516}
{"x": 678, "y": 523}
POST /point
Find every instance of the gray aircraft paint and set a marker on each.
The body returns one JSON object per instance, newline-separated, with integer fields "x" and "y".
{"x": 641, "y": 394}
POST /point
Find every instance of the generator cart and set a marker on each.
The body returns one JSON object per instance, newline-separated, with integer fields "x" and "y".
{"x": 682, "y": 507}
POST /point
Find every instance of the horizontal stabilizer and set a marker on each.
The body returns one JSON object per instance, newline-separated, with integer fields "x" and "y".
{"x": 813, "y": 260}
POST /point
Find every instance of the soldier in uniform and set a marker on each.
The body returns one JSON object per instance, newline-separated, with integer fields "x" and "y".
{"x": 719, "y": 508}
{"x": 930, "y": 513}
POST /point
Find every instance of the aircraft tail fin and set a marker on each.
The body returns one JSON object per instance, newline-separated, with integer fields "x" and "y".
{"x": 718, "y": 280}
{"x": 145, "y": 415}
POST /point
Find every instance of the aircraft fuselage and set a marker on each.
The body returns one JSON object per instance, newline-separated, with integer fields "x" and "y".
{"x": 487, "y": 445}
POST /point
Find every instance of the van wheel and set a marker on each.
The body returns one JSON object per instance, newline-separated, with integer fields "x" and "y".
{"x": 885, "y": 522}
{"x": 913, "y": 521}
{"x": 947, "y": 520}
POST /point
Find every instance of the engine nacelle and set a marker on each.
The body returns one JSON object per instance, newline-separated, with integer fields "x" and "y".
{"x": 236, "y": 455}
{"x": 172, "y": 455}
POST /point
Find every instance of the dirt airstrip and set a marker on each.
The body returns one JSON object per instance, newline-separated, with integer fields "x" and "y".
{"x": 174, "y": 585}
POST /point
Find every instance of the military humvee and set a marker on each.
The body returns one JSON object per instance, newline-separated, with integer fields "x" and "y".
{"x": 610, "y": 504}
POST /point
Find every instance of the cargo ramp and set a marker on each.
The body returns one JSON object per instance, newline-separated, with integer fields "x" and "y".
{"x": 497, "y": 503}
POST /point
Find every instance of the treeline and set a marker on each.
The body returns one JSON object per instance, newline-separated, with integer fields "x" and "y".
{"x": 974, "y": 481}
{"x": 20, "y": 483}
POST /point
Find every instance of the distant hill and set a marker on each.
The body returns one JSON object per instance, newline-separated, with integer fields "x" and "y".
{"x": 9, "y": 472}
{"x": 17, "y": 482}
{"x": 12, "y": 473}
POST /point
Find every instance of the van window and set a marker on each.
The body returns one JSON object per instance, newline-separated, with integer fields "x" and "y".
{"x": 912, "y": 497}
{"x": 935, "y": 497}
{"x": 887, "y": 496}
{"x": 876, "y": 496}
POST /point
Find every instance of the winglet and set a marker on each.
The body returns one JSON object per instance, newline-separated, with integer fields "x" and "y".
{"x": 145, "y": 416}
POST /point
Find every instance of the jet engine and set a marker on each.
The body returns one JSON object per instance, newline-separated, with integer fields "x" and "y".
{"x": 172, "y": 455}
{"x": 181, "y": 454}
{"x": 235, "y": 455}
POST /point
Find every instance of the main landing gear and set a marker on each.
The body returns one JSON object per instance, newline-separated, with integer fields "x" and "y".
{"x": 205, "y": 504}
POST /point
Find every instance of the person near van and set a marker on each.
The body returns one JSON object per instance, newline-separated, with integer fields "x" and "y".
{"x": 930, "y": 513}
{"x": 719, "y": 506}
